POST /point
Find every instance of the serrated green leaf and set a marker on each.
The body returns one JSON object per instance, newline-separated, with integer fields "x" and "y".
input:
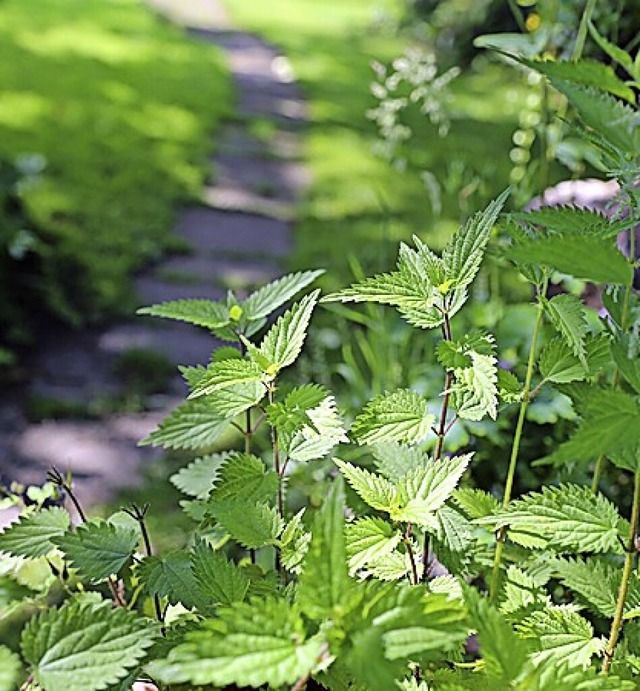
{"x": 505, "y": 655}
{"x": 225, "y": 374}
{"x": 324, "y": 583}
{"x": 453, "y": 530}
{"x": 172, "y": 577}
{"x": 193, "y": 425}
{"x": 218, "y": 579}
{"x": 324, "y": 431}
{"x": 244, "y": 477}
{"x": 250, "y": 644}
{"x": 252, "y": 524}
{"x": 376, "y": 491}
{"x": 283, "y": 342}
{"x": 369, "y": 540}
{"x": 595, "y": 582}
{"x": 568, "y": 316}
{"x": 475, "y": 389}
{"x": 10, "y": 668}
{"x": 509, "y": 386}
{"x": 233, "y": 400}
{"x": 198, "y": 478}
{"x": 476, "y": 503}
{"x": 268, "y": 298}
{"x": 391, "y": 567}
{"x": 464, "y": 252}
{"x": 565, "y": 220}
{"x": 395, "y": 460}
{"x": 34, "y": 534}
{"x": 561, "y": 635}
{"x": 422, "y": 492}
{"x": 206, "y": 313}
{"x": 85, "y": 647}
{"x": 521, "y": 594}
{"x": 98, "y": 549}
{"x": 592, "y": 259}
{"x": 401, "y": 416}
{"x": 614, "y": 52}
{"x": 294, "y": 543}
{"x": 559, "y": 364}
{"x": 568, "y": 517}
{"x": 611, "y": 424}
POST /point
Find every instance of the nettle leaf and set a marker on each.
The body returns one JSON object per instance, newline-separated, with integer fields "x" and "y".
{"x": 244, "y": 477}
{"x": 453, "y": 530}
{"x": 375, "y": 490}
{"x": 369, "y": 540}
{"x": 294, "y": 544}
{"x": 401, "y": 416}
{"x": 616, "y": 53}
{"x": 564, "y": 220}
{"x": 422, "y": 492}
{"x": 561, "y": 635}
{"x": 522, "y": 593}
{"x": 475, "y": 389}
{"x": 611, "y": 424}
{"x": 233, "y": 400}
{"x": 10, "y": 669}
{"x": 198, "y": 478}
{"x": 391, "y": 567}
{"x": 597, "y": 583}
{"x": 395, "y": 460}
{"x": 268, "y": 298}
{"x": 249, "y": 644}
{"x": 291, "y": 414}
{"x": 84, "y": 646}
{"x": 476, "y": 503}
{"x": 225, "y": 374}
{"x": 206, "y": 313}
{"x": 283, "y": 342}
{"x": 252, "y": 524}
{"x": 505, "y": 655}
{"x": 98, "y": 549}
{"x": 569, "y": 317}
{"x": 564, "y": 518}
{"x": 465, "y": 251}
{"x": 193, "y": 425}
{"x": 34, "y": 534}
{"x": 324, "y": 584}
{"x": 590, "y": 258}
{"x": 172, "y": 577}
{"x": 559, "y": 364}
{"x": 324, "y": 431}
{"x": 219, "y": 579}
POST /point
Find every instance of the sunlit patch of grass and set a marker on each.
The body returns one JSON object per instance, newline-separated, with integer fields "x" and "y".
{"x": 121, "y": 105}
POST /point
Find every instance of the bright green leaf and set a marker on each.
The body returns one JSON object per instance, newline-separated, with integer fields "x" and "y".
{"x": 34, "y": 534}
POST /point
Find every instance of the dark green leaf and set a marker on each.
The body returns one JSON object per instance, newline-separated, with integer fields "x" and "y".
{"x": 34, "y": 534}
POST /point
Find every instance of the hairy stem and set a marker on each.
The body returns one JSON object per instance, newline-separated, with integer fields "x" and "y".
{"x": 630, "y": 552}
{"x": 412, "y": 560}
{"x": 515, "y": 451}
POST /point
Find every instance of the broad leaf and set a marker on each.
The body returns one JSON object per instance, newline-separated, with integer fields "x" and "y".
{"x": 283, "y": 342}
{"x": 560, "y": 365}
{"x": 562, "y": 635}
{"x": 465, "y": 251}
{"x": 34, "y": 534}
{"x": 198, "y": 478}
{"x": 324, "y": 431}
{"x": 172, "y": 577}
{"x": 568, "y": 316}
{"x": 565, "y": 518}
{"x": 252, "y": 524}
{"x": 193, "y": 425}
{"x": 595, "y": 582}
{"x": 369, "y": 540}
{"x": 98, "y": 549}
{"x": 401, "y": 416}
{"x": 589, "y": 258}
{"x": 476, "y": 503}
{"x": 395, "y": 460}
{"x": 294, "y": 544}
{"x": 219, "y": 580}
{"x": 565, "y": 220}
{"x": 10, "y": 669}
{"x": 324, "y": 583}
{"x": 375, "y": 490}
{"x": 85, "y": 647}
{"x": 233, "y": 400}
{"x": 211, "y": 315}
{"x": 225, "y": 374}
{"x": 243, "y": 477}
{"x": 249, "y": 644}
{"x": 268, "y": 298}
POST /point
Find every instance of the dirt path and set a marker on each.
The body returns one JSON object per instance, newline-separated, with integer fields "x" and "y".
{"x": 237, "y": 237}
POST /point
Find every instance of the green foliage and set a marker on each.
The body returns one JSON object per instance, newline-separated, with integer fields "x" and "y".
{"x": 85, "y": 644}
{"x": 34, "y": 534}
{"x": 9, "y": 669}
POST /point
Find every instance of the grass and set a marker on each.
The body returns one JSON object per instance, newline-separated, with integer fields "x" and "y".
{"x": 120, "y": 104}
{"x": 358, "y": 203}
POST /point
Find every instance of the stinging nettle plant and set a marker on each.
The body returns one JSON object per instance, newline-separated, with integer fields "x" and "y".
{"x": 405, "y": 576}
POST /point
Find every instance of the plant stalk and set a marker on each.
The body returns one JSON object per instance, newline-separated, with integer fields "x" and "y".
{"x": 630, "y": 553}
{"x": 582, "y": 30}
{"x": 515, "y": 451}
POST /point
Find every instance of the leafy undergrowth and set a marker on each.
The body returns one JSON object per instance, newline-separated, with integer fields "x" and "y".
{"x": 113, "y": 108}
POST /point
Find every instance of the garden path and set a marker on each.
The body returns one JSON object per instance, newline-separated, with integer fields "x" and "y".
{"x": 238, "y": 235}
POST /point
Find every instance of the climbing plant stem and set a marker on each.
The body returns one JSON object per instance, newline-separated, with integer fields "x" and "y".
{"x": 630, "y": 553}
{"x": 515, "y": 449}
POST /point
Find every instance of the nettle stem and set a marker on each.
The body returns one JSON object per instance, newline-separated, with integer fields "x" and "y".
{"x": 515, "y": 450}
{"x": 630, "y": 553}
